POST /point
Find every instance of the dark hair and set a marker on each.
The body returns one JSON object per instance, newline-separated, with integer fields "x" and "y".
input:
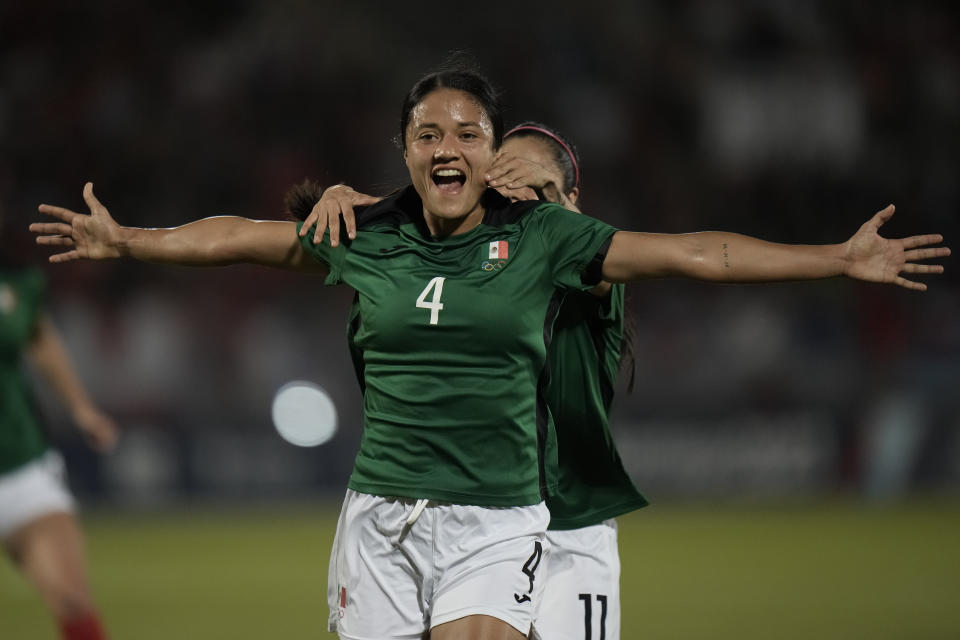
{"x": 455, "y": 74}
{"x": 300, "y": 198}
{"x": 564, "y": 153}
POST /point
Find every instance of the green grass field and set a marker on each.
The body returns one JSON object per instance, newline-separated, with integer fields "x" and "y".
{"x": 826, "y": 571}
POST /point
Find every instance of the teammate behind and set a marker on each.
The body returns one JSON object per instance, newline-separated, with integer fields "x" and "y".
{"x": 582, "y": 593}
{"x": 38, "y": 527}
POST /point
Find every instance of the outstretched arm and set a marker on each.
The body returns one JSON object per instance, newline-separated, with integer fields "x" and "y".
{"x": 730, "y": 257}
{"x": 208, "y": 242}
{"x": 50, "y": 357}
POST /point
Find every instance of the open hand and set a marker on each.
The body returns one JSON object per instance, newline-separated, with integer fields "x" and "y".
{"x": 876, "y": 259}
{"x": 336, "y": 201}
{"x": 95, "y": 236}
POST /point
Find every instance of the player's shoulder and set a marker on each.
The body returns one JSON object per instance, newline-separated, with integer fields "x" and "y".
{"x": 401, "y": 207}
{"x": 500, "y": 211}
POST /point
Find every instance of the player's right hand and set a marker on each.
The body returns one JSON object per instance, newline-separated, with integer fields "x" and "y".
{"x": 95, "y": 236}
{"x": 336, "y": 201}
{"x": 98, "y": 428}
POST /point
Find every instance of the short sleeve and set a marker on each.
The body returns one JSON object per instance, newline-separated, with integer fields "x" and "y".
{"x": 333, "y": 257}
{"x": 572, "y": 241}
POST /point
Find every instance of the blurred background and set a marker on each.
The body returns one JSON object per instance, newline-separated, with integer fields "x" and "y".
{"x": 790, "y": 121}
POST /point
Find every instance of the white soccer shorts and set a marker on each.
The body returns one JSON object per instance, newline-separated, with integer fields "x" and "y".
{"x": 581, "y": 597}
{"x": 33, "y": 490}
{"x": 400, "y": 567}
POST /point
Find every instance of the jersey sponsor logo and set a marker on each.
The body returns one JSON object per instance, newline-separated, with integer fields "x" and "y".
{"x": 499, "y": 250}
{"x": 492, "y": 265}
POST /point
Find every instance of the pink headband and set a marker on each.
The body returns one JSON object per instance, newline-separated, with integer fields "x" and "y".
{"x": 553, "y": 136}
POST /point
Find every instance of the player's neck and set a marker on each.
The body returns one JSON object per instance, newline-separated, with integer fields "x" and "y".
{"x": 440, "y": 227}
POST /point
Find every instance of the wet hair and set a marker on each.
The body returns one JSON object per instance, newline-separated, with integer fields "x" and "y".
{"x": 459, "y": 75}
{"x": 564, "y": 154}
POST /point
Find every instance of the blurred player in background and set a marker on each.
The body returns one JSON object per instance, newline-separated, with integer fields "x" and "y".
{"x": 581, "y": 595}
{"x": 38, "y": 526}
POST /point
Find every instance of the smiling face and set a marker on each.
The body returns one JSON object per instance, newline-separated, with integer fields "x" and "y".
{"x": 449, "y": 145}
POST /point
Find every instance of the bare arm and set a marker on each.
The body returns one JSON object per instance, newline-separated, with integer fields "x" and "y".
{"x": 717, "y": 257}
{"x": 208, "y": 242}
{"x": 729, "y": 257}
{"x": 48, "y": 354}
{"x": 220, "y": 240}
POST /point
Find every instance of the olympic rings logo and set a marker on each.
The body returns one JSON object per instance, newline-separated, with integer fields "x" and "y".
{"x": 493, "y": 266}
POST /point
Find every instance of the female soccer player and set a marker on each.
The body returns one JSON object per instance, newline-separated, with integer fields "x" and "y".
{"x": 443, "y": 526}
{"x": 581, "y": 596}
{"x": 38, "y": 528}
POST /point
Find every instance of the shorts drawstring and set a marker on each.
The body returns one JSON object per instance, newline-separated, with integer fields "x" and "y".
{"x": 412, "y": 518}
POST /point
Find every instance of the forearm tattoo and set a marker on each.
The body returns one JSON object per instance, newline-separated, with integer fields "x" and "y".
{"x": 726, "y": 257}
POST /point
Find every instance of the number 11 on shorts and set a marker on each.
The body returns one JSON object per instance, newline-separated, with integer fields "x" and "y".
{"x": 434, "y": 305}
{"x": 588, "y": 615}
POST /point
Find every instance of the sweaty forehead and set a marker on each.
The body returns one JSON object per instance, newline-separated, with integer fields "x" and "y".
{"x": 449, "y": 107}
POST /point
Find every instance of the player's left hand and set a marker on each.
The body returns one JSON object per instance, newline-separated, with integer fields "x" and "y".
{"x": 510, "y": 172}
{"x": 873, "y": 258}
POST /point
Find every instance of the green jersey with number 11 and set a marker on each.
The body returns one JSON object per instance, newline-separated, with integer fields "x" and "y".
{"x": 453, "y": 334}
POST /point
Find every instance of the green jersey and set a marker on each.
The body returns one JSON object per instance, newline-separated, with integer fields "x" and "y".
{"x": 452, "y": 335}
{"x": 21, "y": 437}
{"x": 584, "y": 359}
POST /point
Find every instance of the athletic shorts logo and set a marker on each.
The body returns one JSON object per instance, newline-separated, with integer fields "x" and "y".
{"x": 529, "y": 569}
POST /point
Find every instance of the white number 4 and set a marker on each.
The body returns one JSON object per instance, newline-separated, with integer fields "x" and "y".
{"x": 434, "y": 305}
